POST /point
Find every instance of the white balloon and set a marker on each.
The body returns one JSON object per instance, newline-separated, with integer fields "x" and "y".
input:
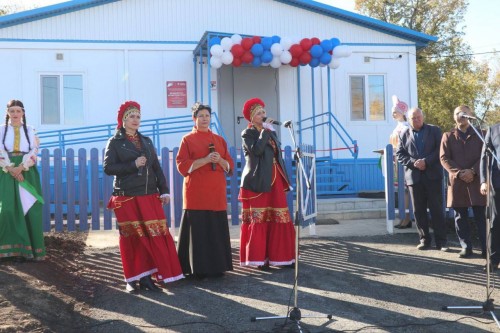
{"x": 286, "y": 57}
{"x": 276, "y": 49}
{"x": 276, "y": 62}
{"x": 286, "y": 42}
{"x": 216, "y": 62}
{"x": 227, "y": 58}
{"x": 216, "y": 50}
{"x": 236, "y": 39}
{"x": 335, "y": 63}
{"x": 226, "y": 43}
{"x": 341, "y": 51}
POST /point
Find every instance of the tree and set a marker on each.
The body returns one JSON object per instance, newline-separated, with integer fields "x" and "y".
{"x": 446, "y": 73}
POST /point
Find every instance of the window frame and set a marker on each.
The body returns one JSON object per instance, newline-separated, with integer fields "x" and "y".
{"x": 61, "y": 98}
{"x": 366, "y": 97}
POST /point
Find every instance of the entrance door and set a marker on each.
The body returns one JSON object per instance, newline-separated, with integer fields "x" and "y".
{"x": 237, "y": 85}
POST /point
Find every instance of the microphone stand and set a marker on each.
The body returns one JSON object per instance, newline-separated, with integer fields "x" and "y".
{"x": 488, "y": 305}
{"x": 295, "y": 314}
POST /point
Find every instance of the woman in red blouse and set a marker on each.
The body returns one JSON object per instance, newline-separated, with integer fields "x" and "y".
{"x": 204, "y": 246}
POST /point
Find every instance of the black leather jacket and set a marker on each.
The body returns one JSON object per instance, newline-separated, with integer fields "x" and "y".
{"x": 259, "y": 154}
{"x": 119, "y": 161}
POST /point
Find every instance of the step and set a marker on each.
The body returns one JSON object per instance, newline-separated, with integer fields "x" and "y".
{"x": 342, "y": 209}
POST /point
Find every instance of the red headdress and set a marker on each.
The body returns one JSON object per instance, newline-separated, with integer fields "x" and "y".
{"x": 250, "y": 107}
{"x": 125, "y": 110}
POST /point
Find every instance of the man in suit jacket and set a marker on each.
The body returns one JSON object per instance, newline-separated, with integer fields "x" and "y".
{"x": 418, "y": 151}
{"x": 492, "y": 140}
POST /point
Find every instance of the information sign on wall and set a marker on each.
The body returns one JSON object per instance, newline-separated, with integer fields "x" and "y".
{"x": 176, "y": 94}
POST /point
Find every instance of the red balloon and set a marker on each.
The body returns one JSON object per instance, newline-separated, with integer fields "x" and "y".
{"x": 247, "y": 43}
{"x": 296, "y": 50}
{"x": 256, "y": 39}
{"x": 315, "y": 41}
{"x": 247, "y": 57}
{"x": 237, "y": 50}
{"x": 305, "y": 58}
{"x": 237, "y": 62}
{"x": 306, "y": 44}
{"x": 294, "y": 62}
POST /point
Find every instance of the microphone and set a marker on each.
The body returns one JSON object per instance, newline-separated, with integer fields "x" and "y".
{"x": 275, "y": 122}
{"x": 141, "y": 168}
{"x": 287, "y": 123}
{"x": 211, "y": 148}
{"x": 466, "y": 116}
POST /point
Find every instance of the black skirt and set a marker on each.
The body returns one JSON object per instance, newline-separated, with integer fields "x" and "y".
{"x": 204, "y": 245}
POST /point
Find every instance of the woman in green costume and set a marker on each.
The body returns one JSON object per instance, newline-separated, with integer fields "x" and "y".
{"x": 21, "y": 234}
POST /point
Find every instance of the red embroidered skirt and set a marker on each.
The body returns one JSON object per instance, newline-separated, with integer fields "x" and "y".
{"x": 146, "y": 246}
{"x": 267, "y": 232}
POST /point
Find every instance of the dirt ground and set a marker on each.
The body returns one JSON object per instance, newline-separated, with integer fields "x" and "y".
{"x": 366, "y": 284}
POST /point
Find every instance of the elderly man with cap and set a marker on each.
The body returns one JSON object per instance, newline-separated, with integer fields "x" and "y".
{"x": 139, "y": 190}
{"x": 267, "y": 232}
{"x": 460, "y": 155}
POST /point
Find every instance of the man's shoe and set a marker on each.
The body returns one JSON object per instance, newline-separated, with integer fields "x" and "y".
{"x": 465, "y": 253}
{"x": 423, "y": 246}
{"x": 443, "y": 248}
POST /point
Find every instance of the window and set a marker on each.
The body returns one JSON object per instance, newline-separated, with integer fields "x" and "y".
{"x": 367, "y": 97}
{"x": 62, "y": 103}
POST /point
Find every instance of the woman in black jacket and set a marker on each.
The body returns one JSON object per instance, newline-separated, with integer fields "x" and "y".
{"x": 267, "y": 232}
{"x": 139, "y": 190}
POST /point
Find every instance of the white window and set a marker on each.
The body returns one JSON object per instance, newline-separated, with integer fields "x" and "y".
{"x": 367, "y": 97}
{"x": 62, "y": 99}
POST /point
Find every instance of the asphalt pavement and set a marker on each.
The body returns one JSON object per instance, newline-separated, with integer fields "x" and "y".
{"x": 352, "y": 277}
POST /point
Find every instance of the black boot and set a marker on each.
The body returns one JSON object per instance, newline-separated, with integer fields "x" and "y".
{"x": 147, "y": 283}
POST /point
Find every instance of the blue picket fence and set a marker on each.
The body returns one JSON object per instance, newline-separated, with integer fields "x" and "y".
{"x": 76, "y": 190}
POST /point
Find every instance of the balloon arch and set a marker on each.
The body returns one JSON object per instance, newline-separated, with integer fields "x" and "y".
{"x": 235, "y": 50}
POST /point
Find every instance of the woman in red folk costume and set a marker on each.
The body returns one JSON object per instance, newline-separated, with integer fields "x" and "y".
{"x": 139, "y": 190}
{"x": 267, "y": 232}
{"x": 204, "y": 245}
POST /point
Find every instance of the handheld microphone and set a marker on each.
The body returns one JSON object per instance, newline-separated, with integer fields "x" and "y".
{"x": 141, "y": 168}
{"x": 466, "y": 116}
{"x": 211, "y": 148}
{"x": 275, "y": 122}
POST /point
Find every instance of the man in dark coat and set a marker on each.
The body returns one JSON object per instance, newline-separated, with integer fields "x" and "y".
{"x": 492, "y": 140}
{"x": 460, "y": 155}
{"x": 418, "y": 151}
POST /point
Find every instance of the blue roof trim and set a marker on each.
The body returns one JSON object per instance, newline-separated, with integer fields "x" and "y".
{"x": 420, "y": 39}
{"x": 49, "y": 11}
{"x": 188, "y": 42}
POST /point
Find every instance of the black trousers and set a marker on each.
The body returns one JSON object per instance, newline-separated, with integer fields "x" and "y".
{"x": 429, "y": 194}
{"x": 462, "y": 226}
{"x": 495, "y": 226}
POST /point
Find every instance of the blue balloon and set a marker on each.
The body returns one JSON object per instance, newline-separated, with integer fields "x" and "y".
{"x": 214, "y": 41}
{"x": 256, "y": 62}
{"x": 327, "y": 45}
{"x": 267, "y": 56}
{"x": 314, "y": 62}
{"x": 267, "y": 42}
{"x": 316, "y": 51}
{"x": 257, "y": 50}
{"x": 325, "y": 58}
{"x": 276, "y": 39}
{"x": 335, "y": 42}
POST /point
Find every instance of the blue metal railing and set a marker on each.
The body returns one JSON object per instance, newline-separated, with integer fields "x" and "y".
{"x": 153, "y": 128}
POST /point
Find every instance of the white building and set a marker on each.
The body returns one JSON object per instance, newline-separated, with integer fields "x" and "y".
{"x": 73, "y": 64}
